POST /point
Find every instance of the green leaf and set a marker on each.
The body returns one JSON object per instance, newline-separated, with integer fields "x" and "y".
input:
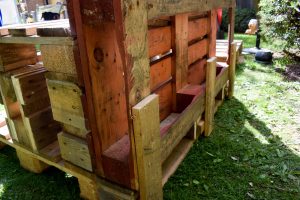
{"x": 196, "y": 182}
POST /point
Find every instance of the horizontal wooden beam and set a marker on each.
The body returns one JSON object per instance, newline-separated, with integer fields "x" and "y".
{"x": 159, "y": 8}
{"x": 37, "y": 40}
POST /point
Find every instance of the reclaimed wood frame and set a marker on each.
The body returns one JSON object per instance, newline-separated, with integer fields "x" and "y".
{"x": 126, "y": 22}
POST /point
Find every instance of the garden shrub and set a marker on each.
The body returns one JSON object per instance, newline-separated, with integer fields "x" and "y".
{"x": 281, "y": 19}
{"x": 242, "y": 18}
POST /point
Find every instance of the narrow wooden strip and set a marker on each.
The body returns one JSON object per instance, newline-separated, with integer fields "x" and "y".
{"x": 157, "y": 8}
{"x": 197, "y": 51}
{"x": 198, "y": 28}
{"x": 231, "y": 73}
{"x": 159, "y": 40}
{"x": 37, "y": 40}
{"x": 174, "y": 160}
{"x": 148, "y": 147}
{"x": 210, "y": 95}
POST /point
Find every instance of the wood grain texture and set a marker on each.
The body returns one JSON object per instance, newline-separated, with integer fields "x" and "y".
{"x": 59, "y": 58}
{"x": 157, "y": 8}
{"x": 30, "y": 163}
{"x": 31, "y": 87}
{"x": 231, "y": 19}
{"x": 147, "y": 138}
{"x": 184, "y": 122}
{"x": 41, "y": 129}
{"x": 159, "y": 40}
{"x": 212, "y": 37}
{"x": 66, "y": 104}
{"x": 14, "y": 56}
{"x": 198, "y": 28}
{"x": 196, "y": 72}
{"x": 180, "y": 57}
{"x": 210, "y": 95}
{"x": 231, "y": 72}
{"x": 197, "y": 51}
{"x": 75, "y": 150}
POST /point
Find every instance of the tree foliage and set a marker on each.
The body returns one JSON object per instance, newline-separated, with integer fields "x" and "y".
{"x": 281, "y": 19}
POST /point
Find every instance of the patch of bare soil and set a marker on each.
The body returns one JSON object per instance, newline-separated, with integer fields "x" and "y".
{"x": 292, "y": 72}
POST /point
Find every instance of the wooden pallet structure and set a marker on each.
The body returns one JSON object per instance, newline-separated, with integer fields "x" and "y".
{"x": 131, "y": 84}
{"x": 222, "y": 50}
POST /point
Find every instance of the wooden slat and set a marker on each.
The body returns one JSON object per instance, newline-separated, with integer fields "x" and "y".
{"x": 157, "y": 8}
{"x": 66, "y": 103}
{"x": 59, "y": 58}
{"x": 196, "y": 73}
{"x": 210, "y": 95}
{"x": 116, "y": 157}
{"x": 180, "y": 59}
{"x": 75, "y": 150}
{"x": 174, "y": 160}
{"x": 61, "y": 165}
{"x": 231, "y": 73}
{"x": 37, "y": 40}
{"x": 14, "y": 56}
{"x": 212, "y": 37}
{"x": 159, "y": 40}
{"x": 147, "y": 138}
{"x": 22, "y": 32}
{"x": 231, "y": 17}
{"x": 198, "y": 28}
{"x": 197, "y": 51}
{"x": 183, "y": 124}
{"x": 41, "y": 129}
{"x": 165, "y": 101}
{"x": 160, "y": 72}
{"x": 31, "y": 87}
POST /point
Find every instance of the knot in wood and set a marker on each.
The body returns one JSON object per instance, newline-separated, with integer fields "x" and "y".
{"x": 98, "y": 54}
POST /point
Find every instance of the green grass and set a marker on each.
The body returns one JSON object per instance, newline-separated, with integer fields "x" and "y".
{"x": 253, "y": 152}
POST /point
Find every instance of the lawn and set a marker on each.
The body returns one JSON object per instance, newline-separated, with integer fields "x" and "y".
{"x": 253, "y": 152}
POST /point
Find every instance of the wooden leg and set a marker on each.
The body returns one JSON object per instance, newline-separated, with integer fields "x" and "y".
{"x": 2, "y": 145}
{"x": 88, "y": 189}
{"x": 232, "y": 64}
{"x": 210, "y": 95}
{"x": 31, "y": 164}
{"x": 148, "y": 148}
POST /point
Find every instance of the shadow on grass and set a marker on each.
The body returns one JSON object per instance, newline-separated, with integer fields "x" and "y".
{"x": 241, "y": 160}
{"x": 17, "y": 183}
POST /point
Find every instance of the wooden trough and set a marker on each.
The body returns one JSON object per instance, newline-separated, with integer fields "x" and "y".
{"x": 123, "y": 90}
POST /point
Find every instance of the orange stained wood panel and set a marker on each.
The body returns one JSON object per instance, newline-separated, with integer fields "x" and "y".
{"x": 107, "y": 79}
{"x": 196, "y": 72}
{"x": 159, "y": 40}
{"x": 165, "y": 101}
{"x": 197, "y": 51}
{"x": 198, "y": 28}
{"x": 160, "y": 72}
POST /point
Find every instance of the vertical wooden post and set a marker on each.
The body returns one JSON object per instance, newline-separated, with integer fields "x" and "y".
{"x": 210, "y": 95}
{"x": 147, "y": 140}
{"x": 213, "y": 33}
{"x": 88, "y": 189}
{"x": 231, "y": 14}
{"x": 232, "y": 64}
{"x": 180, "y": 47}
